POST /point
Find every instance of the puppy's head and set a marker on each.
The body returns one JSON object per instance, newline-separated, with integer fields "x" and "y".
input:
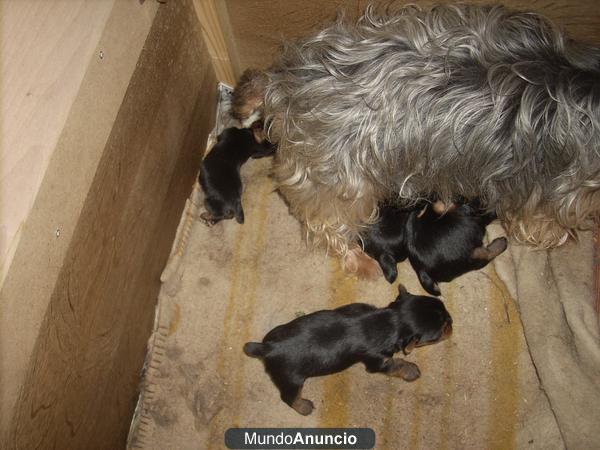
{"x": 423, "y": 320}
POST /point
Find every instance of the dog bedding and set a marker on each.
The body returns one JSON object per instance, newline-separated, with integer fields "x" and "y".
{"x": 520, "y": 370}
{"x": 554, "y": 291}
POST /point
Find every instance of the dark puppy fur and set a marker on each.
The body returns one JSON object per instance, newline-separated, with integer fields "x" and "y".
{"x": 330, "y": 341}
{"x": 220, "y": 173}
{"x": 439, "y": 245}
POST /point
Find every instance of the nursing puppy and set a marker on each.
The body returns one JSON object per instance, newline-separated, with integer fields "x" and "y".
{"x": 330, "y": 341}
{"x": 440, "y": 245}
{"x": 220, "y": 173}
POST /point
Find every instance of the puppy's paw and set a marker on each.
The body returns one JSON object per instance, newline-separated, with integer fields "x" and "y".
{"x": 207, "y": 219}
{"x": 405, "y": 370}
{"x": 410, "y": 372}
{"x": 439, "y": 207}
{"x": 358, "y": 262}
{"x": 303, "y": 406}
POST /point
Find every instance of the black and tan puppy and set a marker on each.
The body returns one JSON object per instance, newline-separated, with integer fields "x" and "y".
{"x": 220, "y": 173}
{"x": 330, "y": 341}
{"x": 440, "y": 245}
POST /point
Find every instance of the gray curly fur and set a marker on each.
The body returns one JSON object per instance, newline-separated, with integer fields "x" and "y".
{"x": 454, "y": 100}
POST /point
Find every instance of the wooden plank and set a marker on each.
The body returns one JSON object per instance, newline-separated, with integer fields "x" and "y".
{"x": 260, "y": 25}
{"x": 217, "y": 32}
{"x": 47, "y": 234}
{"x": 45, "y": 48}
{"x": 80, "y": 386}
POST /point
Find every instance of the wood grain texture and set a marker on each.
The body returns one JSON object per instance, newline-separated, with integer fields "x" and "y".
{"x": 217, "y": 35}
{"x": 260, "y": 25}
{"x": 45, "y": 48}
{"x": 80, "y": 387}
{"x": 47, "y": 234}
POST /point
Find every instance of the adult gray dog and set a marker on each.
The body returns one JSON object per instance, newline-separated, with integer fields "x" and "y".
{"x": 405, "y": 104}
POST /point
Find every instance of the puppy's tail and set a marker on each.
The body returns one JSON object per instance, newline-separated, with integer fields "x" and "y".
{"x": 255, "y": 349}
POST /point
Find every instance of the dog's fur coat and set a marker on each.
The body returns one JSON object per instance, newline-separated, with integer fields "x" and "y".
{"x": 440, "y": 247}
{"x": 472, "y": 101}
{"x": 330, "y": 341}
{"x": 220, "y": 173}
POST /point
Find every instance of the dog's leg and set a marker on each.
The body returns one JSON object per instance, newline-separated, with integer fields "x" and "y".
{"x": 302, "y": 405}
{"x": 291, "y": 393}
{"x": 388, "y": 265}
{"x": 393, "y": 367}
{"x": 488, "y": 253}
{"x": 428, "y": 284}
{"x": 207, "y": 219}
{"x": 440, "y": 208}
{"x": 356, "y": 261}
{"x": 408, "y": 371}
{"x": 239, "y": 212}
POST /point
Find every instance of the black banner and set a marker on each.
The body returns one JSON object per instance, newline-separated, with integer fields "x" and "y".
{"x": 299, "y": 438}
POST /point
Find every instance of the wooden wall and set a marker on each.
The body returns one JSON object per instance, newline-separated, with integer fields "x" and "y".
{"x": 218, "y": 36}
{"x": 77, "y": 304}
{"x": 260, "y": 25}
{"x": 45, "y": 48}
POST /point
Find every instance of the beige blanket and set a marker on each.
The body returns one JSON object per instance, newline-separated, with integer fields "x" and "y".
{"x": 555, "y": 296}
{"x": 520, "y": 371}
{"x": 514, "y": 375}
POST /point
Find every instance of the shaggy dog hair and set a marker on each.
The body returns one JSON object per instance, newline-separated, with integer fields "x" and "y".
{"x": 247, "y": 98}
{"x": 470, "y": 101}
{"x": 330, "y": 341}
{"x": 220, "y": 173}
{"x": 440, "y": 246}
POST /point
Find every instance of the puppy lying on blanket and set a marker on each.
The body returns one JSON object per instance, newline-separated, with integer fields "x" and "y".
{"x": 220, "y": 172}
{"x": 330, "y": 341}
{"x": 439, "y": 245}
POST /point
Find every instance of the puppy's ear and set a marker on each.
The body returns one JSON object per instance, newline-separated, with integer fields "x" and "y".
{"x": 409, "y": 344}
{"x": 388, "y": 265}
{"x": 239, "y": 212}
{"x": 428, "y": 284}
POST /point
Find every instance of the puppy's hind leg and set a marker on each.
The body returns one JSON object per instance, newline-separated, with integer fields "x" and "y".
{"x": 356, "y": 261}
{"x": 488, "y": 253}
{"x": 207, "y": 219}
{"x": 403, "y": 369}
{"x": 388, "y": 265}
{"x": 393, "y": 367}
{"x": 291, "y": 393}
{"x": 428, "y": 284}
